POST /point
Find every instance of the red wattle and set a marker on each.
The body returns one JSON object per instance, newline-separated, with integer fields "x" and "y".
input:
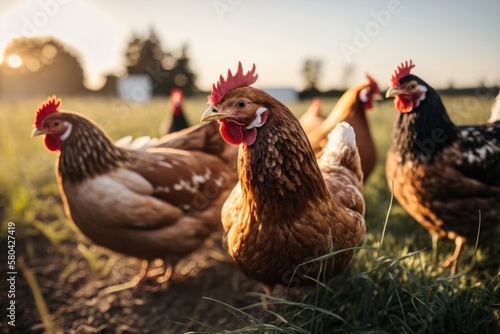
{"x": 234, "y": 133}
{"x": 249, "y": 136}
{"x": 403, "y": 105}
{"x": 231, "y": 132}
{"x": 52, "y": 144}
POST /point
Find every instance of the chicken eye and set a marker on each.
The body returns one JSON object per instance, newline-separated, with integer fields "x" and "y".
{"x": 413, "y": 86}
{"x": 241, "y": 104}
{"x": 56, "y": 124}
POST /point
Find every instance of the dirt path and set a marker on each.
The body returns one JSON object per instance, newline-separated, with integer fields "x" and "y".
{"x": 76, "y": 306}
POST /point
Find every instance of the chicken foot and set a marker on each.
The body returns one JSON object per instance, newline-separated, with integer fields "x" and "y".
{"x": 453, "y": 259}
{"x": 160, "y": 276}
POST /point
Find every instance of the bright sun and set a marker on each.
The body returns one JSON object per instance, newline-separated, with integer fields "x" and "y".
{"x": 14, "y": 61}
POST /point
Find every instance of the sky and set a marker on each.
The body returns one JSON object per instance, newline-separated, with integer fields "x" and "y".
{"x": 451, "y": 42}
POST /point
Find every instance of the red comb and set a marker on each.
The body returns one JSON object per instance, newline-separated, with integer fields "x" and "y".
{"x": 47, "y": 108}
{"x": 402, "y": 71}
{"x": 373, "y": 83}
{"x": 176, "y": 94}
{"x": 233, "y": 81}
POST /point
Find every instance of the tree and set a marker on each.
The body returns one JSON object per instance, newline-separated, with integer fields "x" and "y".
{"x": 166, "y": 72}
{"x": 46, "y": 67}
{"x": 312, "y": 73}
{"x": 184, "y": 78}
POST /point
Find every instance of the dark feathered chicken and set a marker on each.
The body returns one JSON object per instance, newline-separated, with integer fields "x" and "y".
{"x": 177, "y": 120}
{"x": 287, "y": 208}
{"x": 446, "y": 176}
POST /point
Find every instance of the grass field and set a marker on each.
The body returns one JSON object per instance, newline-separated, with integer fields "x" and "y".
{"x": 394, "y": 287}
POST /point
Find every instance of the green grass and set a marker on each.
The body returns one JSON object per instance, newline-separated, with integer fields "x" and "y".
{"x": 397, "y": 287}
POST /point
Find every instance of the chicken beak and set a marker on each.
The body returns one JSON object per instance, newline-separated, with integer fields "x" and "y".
{"x": 392, "y": 91}
{"x": 211, "y": 114}
{"x": 37, "y": 132}
{"x": 377, "y": 97}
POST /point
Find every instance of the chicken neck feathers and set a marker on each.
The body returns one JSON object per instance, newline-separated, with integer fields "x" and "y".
{"x": 179, "y": 122}
{"x": 88, "y": 151}
{"x": 421, "y": 135}
{"x": 281, "y": 164}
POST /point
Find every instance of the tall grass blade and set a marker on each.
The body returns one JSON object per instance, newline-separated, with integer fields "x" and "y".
{"x": 386, "y": 218}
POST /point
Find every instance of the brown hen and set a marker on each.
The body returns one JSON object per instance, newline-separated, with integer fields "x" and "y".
{"x": 351, "y": 108}
{"x": 288, "y": 207}
{"x": 154, "y": 203}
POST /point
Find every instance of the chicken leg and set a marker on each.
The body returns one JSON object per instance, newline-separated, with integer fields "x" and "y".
{"x": 453, "y": 259}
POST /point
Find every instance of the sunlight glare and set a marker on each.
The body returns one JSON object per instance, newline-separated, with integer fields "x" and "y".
{"x": 14, "y": 61}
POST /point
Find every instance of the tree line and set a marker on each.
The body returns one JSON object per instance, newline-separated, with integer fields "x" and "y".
{"x": 46, "y": 65}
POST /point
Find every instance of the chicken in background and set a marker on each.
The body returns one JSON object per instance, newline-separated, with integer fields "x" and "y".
{"x": 447, "y": 177}
{"x": 288, "y": 207}
{"x": 178, "y": 120}
{"x": 312, "y": 118}
{"x": 351, "y": 108}
{"x": 153, "y": 203}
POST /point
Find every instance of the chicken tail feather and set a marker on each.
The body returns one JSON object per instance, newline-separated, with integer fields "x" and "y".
{"x": 138, "y": 144}
{"x": 340, "y": 137}
{"x": 341, "y": 150}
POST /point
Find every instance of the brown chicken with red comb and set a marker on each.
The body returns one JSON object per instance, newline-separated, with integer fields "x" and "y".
{"x": 288, "y": 207}
{"x": 447, "y": 177}
{"x": 156, "y": 203}
{"x": 351, "y": 108}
